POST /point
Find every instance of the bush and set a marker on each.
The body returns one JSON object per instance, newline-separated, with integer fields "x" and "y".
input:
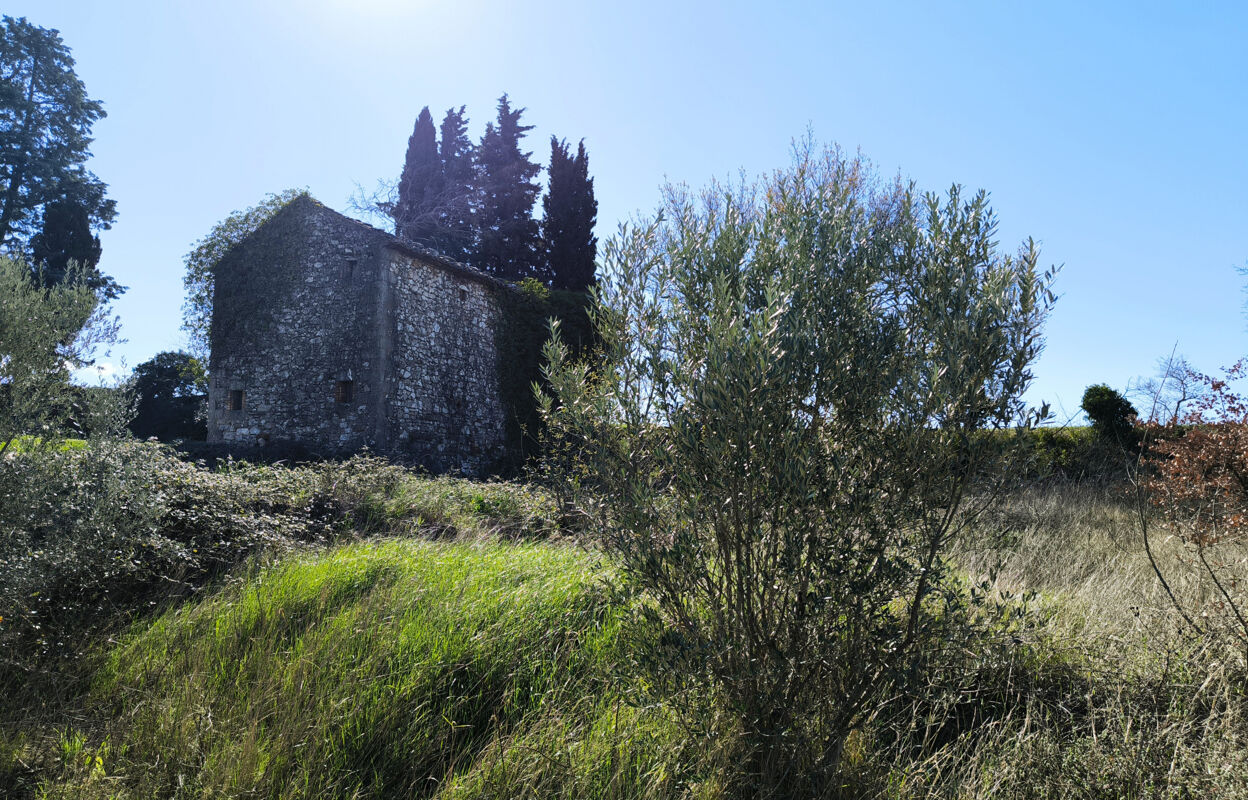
{"x": 1110, "y": 413}
{"x": 93, "y": 533}
{"x": 779, "y": 440}
{"x": 1197, "y": 475}
{"x": 90, "y": 535}
{"x": 1065, "y": 455}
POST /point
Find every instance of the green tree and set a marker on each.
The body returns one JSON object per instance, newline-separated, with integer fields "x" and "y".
{"x": 45, "y": 132}
{"x": 203, "y": 258}
{"x": 420, "y": 185}
{"x": 1111, "y": 414}
{"x": 43, "y": 332}
{"x": 170, "y": 390}
{"x": 66, "y": 239}
{"x": 778, "y": 442}
{"x": 456, "y": 235}
{"x": 569, "y": 211}
{"x": 507, "y": 233}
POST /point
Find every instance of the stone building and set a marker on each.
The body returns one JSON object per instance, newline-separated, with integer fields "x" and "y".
{"x": 335, "y": 335}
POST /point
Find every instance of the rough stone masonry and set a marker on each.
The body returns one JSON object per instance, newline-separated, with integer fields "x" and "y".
{"x": 335, "y": 335}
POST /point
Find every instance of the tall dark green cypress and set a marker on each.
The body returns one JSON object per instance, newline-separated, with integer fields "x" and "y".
{"x": 456, "y": 235}
{"x": 415, "y": 212}
{"x": 64, "y": 237}
{"x": 569, "y": 212}
{"x": 507, "y": 234}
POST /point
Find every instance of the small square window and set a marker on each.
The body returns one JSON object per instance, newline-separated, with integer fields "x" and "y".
{"x": 236, "y": 399}
{"x": 344, "y": 391}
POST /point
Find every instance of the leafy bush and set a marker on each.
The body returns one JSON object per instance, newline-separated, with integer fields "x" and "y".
{"x": 1111, "y": 414}
{"x": 88, "y": 534}
{"x": 1064, "y": 454}
{"x": 779, "y": 441}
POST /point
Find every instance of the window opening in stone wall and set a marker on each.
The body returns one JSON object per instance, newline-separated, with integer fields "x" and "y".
{"x": 236, "y": 399}
{"x": 463, "y": 294}
{"x": 344, "y": 391}
{"x": 349, "y": 269}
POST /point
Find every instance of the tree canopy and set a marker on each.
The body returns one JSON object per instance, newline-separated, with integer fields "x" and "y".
{"x": 66, "y": 239}
{"x": 1109, "y": 412}
{"x": 170, "y": 390}
{"x": 45, "y": 132}
{"x": 415, "y": 212}
{"x": 569, "y": 211}
{"x": 455, "y": 236}
{"x": 474, "y": 204}
{"x": 433, "y": 201}
{"x": 507, "y": 233}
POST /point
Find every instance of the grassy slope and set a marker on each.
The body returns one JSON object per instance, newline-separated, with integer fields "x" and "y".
{"x": 410, "y": 668}
{"x": 392, "y": 669}
{"x": 387, "y": 669}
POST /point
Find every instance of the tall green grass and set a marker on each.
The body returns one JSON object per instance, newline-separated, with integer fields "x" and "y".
{"x": 386, "y": 669}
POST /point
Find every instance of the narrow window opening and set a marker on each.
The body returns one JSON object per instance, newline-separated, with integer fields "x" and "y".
{"x": 236, "y": 399}
{"x": 463, "y": 294}
{"x": 344, "y": 391}
{"x": 349, "y": 269}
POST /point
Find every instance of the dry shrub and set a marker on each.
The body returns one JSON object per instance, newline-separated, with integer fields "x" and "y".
{"x": 1196, "y": 474}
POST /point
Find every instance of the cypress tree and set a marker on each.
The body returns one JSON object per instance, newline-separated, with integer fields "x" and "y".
{"x": 569, "y": 211}
{"x": 507, "y": 243}
{"x": 415, "y": 212}
{"x": 64, "y": 237}
{"x": 456, "y": 229}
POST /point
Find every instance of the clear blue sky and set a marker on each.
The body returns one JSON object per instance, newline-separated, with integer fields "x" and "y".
{"x": 1112, "y": 132}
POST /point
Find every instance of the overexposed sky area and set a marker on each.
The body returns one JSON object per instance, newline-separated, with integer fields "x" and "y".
{"x": 1112, "y": 132}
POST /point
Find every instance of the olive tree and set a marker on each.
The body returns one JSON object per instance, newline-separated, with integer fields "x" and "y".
{"x": 777, "y": 443}
{"x": 45, "y": 331}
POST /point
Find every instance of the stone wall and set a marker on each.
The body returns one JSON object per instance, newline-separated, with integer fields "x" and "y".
{"x": 446, "y": 408}
{"x": 315, "y": 306}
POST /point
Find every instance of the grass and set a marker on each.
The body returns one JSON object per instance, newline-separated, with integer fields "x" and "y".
{"x": 23, "y": 444}
{"x": 1148, "y": 709}
{"x": 395, "y": 668}
{"x": 477, "y": 668}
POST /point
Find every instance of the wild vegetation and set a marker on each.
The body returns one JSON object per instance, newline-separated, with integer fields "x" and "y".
{"x": 728, "y": 582}
{"x": 459, "y": 664}
{"x": 774, "y": 551}
{"x": 781, "y": 436}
